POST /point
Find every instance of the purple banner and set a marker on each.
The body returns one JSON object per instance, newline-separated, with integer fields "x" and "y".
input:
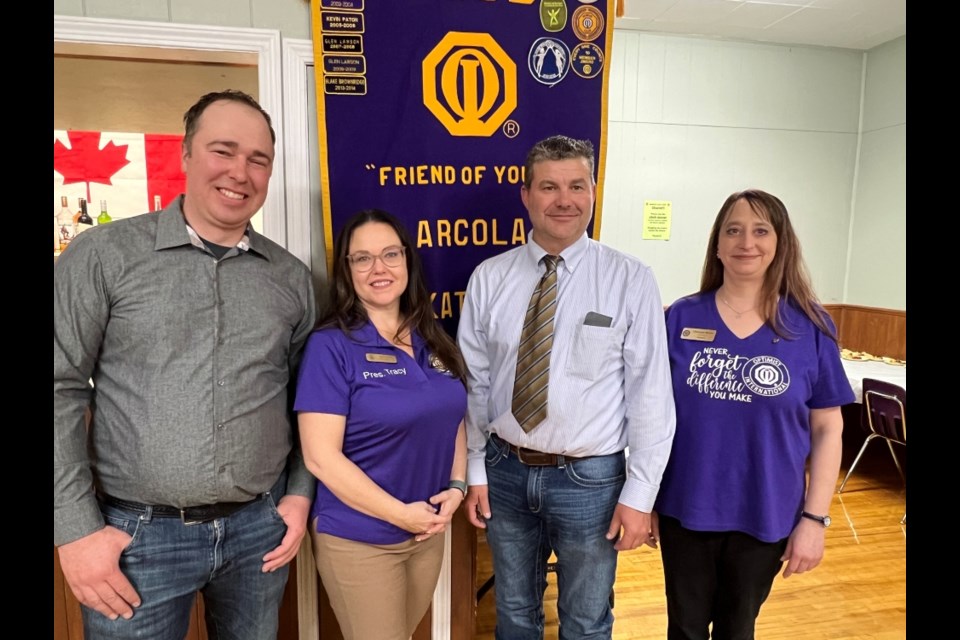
{"x": 427, "y": 109}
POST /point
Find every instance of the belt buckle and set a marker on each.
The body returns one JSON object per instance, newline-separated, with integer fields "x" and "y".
{"x": 188, "y": 521}
{"x": 539, "y": 463}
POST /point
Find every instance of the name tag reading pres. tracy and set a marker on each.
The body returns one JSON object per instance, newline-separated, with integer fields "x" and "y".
{"x": 701, "y": 335}
{"x": 381, "y": 357}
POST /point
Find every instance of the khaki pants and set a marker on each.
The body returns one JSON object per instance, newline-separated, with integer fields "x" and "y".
{"x": 378, "y": 592}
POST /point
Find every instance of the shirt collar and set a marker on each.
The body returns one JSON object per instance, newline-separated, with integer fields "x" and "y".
{"x": 571, "y": 255}
{"x": 173, "y": 231}
{"x": 195, "y": 240}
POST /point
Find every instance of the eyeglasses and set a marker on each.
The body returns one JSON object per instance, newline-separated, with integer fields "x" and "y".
{"x": 362, "y": 261}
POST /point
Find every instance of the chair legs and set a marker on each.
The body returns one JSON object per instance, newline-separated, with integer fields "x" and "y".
{"x": 903, "y": 520}
{"x": 866, "y": 442}
{"x": 896, "y": 461}
{"x": 856, "y": 460}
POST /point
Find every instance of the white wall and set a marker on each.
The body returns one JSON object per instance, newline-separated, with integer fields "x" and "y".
{"x": 693, "y": 120}
{"x": 878, "y": 246}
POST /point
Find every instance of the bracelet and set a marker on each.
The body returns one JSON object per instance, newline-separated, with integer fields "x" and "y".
{"x": 458, "y": 484}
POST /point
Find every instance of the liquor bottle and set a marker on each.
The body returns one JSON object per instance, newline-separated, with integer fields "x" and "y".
{"x": 64, "y": 224}
{"x": 104, "y": 217}
{"x": 156, "y": 203}
{"x": 84, "y": 221}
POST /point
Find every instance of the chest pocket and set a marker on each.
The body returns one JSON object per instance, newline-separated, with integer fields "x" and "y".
{"x": 595, "y": 351}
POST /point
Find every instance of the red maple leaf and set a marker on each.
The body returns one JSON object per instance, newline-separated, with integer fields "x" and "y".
{"x": 85, "y": 161}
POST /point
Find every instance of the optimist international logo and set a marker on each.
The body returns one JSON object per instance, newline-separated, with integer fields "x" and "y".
{"x": 477, "y": 84}
{"x": 766, "y": 376}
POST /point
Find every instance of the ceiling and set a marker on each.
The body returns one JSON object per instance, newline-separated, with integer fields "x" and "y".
{"x": 849, "y": 24}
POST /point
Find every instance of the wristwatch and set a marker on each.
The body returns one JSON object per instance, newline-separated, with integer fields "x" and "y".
{"x": 824, "y": 520}
{"x": 458, "y": 484}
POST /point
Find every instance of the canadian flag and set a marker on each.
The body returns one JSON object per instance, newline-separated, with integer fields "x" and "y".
{"x": 127, "y": 170}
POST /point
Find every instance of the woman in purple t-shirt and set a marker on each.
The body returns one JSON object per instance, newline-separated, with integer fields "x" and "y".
{"x": 381, "y": 400}
{"x": 758, "y": 385}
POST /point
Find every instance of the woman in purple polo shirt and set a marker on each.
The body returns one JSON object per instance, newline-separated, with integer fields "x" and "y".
{"x": 381, "y": 400}
{"x": 758, "y": 386}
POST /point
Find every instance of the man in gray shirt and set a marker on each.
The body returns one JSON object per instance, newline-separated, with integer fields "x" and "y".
{"x": 190, "y": 325}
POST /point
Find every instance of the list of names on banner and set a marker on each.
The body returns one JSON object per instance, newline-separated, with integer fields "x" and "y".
{"x": 344, "y": 67}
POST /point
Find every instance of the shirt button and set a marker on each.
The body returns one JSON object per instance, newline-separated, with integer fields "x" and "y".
{"x": 220, "y": 383}
{"x": 223, "y": 469}
{"x": 220, "y": 427}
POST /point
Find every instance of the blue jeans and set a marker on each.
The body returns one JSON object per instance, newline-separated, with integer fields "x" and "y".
{"x": 168, "y": 562}
{"x": 565, "y": 510}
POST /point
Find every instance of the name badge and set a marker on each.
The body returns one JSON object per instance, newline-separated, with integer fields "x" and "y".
{"x": 381, "y": 357}
{"x": 700, "y": 335}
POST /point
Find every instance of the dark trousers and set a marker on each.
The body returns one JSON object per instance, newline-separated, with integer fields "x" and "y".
{"x": 720, "y": 577}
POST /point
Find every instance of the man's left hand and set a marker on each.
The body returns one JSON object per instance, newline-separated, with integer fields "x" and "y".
{"x": 294, "y": 510}
{"x": 637, "y": 529}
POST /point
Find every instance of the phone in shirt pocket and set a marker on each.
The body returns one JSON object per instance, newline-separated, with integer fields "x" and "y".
{"x": 594, "y": 319}
{"x": 595, "y": 343}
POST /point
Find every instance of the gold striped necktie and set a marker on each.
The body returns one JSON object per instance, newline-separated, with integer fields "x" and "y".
{"x": 533, "y": 354}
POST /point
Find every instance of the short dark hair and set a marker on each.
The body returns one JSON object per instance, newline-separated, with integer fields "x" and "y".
{"x": 557, "y": 148}
{"x": 192, "y": 117}
{"x": 347, "y": 312}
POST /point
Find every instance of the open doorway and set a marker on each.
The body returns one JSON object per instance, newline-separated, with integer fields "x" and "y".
{"x": 120, "y": 75}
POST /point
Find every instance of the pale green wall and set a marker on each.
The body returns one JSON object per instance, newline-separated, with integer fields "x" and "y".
{"x": 878, "y": 247}
{"x": 693, "y": 120}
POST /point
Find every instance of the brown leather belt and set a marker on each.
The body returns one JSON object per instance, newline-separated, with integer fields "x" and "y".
{"x": 533, "y": 458}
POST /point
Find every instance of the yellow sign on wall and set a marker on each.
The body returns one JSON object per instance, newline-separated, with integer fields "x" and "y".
{"x": 657, "y": 219}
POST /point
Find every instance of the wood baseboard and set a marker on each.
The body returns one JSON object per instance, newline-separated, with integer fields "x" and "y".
{"x": 882, "y": 332}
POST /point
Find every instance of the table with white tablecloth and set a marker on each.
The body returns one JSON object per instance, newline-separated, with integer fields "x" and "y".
{"x": 857, "y": 370}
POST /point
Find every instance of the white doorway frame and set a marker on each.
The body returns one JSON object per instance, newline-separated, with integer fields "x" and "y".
{"x": 297, "y": 73}
{"x": 265, "y": 43}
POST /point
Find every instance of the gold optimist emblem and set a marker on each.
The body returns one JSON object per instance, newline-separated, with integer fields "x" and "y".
{"x": 469, "y": 84}
{"x": 587, "y": 23}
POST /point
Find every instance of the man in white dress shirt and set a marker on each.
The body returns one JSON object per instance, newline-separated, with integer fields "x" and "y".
{"x": 564, "y": 484}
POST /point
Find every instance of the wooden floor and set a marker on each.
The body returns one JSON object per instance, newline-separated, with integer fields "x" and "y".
{"x": 857, "y": 593}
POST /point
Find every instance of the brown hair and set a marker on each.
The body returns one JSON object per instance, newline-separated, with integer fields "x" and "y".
{"x": 557, "y": 148}
{"x": 787, "y": 275}
{"x": 191, "y": 118}
{"x": 347, "y": 312}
